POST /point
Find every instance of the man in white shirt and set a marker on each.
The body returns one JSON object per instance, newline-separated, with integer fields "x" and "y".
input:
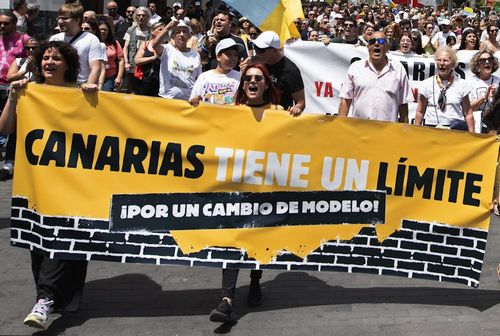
{"x": 180, "y": 66}
{"x": 87, "y": 45}
{"x": 154, "y": 17}
{"x": 377, "y": 88}
{"x": 439, "y": 39}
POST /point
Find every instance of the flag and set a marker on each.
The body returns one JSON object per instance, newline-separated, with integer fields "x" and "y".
{"x": 468, "y": 12}
{"x": 275, "y": 15}
{"x": 391, "y": 4}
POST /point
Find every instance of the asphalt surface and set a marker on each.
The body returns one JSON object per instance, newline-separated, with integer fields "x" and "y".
{"x": 129, "y": 299}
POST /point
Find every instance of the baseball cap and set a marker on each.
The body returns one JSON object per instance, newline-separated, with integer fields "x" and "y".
{"x": 177, "y": 4}
{"x": 226, "y": 44}
{"x": 197, "y": 3}
{"x": 415, "y": 17}
{"x": 267, "y": 39}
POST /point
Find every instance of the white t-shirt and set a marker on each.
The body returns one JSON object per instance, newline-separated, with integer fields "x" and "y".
{"x": 178, "y": 72}
{"x": 479, "y": 87}
{"x": 89, "y": 49}
{"x": 154, "y": 18}
{"x": 453, "y": 112}
{"x": 485, "y": 36}
{"x": 23, "y": 67}
{"x": 441, "y": 37}
{"x": 216, "y": 88}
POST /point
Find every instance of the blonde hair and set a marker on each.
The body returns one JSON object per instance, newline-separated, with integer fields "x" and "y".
{"x": 447, "y": 50}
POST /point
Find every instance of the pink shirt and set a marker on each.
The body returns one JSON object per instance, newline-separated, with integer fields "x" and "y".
{"x": 11, "y": 47}
{"x": 114, "y": 53}
{"x": 375, "y": 96}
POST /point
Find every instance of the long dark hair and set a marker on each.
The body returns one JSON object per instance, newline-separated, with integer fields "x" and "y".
{"x": 463, "y": 41}
{"x": 489, "y": 115}
{"x": 110, "y": 40}
{"x": 270, "y": 94}
{"x": 70, "y": 56}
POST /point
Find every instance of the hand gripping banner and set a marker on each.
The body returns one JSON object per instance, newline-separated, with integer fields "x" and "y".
{"x": 147, "y": 180}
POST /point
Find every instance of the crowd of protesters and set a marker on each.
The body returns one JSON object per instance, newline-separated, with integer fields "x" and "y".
{"x": 214, "y": 55}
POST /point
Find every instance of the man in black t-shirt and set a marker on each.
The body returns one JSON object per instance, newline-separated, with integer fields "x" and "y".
{"x": 122, "y": 27}
{"x": 284, "y": 73}
{"x": 222, "y": 31}
{"x": 350, "y": 33}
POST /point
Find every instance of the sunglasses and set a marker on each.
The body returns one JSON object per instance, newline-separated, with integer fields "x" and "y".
{"x": 29, "y": 48}
{"x": 348, "y": 25}
{"x": 261, "y": 50}
{"x": 379, "y": 40}
{"x": 484, "y": 60}
{"x": 256, "y": 78}
{"x": 494, "y": 31}
{"x": 86, "y": 29}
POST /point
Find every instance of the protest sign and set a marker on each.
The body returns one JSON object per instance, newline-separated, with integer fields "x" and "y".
{"x": 138, "y": 179}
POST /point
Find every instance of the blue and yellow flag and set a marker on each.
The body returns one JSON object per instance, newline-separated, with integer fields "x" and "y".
{"x": 275, "y": 15}
{"x": 391, "y": 4}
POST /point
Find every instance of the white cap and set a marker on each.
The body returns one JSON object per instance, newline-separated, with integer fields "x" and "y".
{"x": 338, "y": 16}
{"x": 445, "y": 22}
{"x": 226, "y": 44}
{"x": 415, "y": 17}
{"x": 177, "y": 4}
{"x": 267, "y": 39}
{"x": 197, "y": 3}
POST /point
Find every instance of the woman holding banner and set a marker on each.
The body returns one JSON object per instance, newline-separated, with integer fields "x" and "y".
{"x": 492, "y": 121}
{"x": 255, "y": 90}
{"x": 444, "y": 98}
{"x": 59, "y": 283}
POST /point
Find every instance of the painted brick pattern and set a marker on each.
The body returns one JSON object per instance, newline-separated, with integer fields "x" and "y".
{"x": 419, "y": 250}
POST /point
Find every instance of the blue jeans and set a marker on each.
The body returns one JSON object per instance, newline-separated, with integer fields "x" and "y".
{"x": 109, "y": 84}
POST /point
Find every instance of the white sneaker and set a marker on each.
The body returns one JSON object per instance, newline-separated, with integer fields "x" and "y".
{"x": 8, "y": 166}
{"x": 39, "y": 314}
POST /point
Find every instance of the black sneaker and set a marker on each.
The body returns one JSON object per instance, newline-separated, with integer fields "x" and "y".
{"x": 223, "y": 313}
{"x": 254, "y": 298}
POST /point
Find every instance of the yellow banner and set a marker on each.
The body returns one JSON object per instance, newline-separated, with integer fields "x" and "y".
{"x": 79, "y": 155}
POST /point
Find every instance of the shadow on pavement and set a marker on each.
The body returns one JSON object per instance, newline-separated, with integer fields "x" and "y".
{"x": 4, "y": 223}
{"x": 136, "y": 295}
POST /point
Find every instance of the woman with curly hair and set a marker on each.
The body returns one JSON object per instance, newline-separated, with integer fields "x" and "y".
{"x": 483, "y": 83}
{"x": 59, "y": 283}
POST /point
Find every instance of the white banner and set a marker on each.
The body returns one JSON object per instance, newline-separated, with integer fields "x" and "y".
{"x": 324, "y": 69}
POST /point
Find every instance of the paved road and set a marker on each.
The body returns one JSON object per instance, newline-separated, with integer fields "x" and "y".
{"x": 149, "y": 300}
